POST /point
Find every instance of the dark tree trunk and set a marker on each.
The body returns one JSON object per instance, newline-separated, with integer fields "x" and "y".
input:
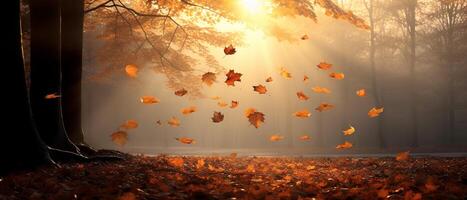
{"x": 22, "y": 147}
{"x": 46, "y": 74}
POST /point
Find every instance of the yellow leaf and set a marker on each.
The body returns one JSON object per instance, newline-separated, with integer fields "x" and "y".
{"x": 176, "y": 161}
{"x": 188, "y": 110}
{"x": 284, "y": 73}
{"x": 349, "y": 131}
{"x": 345, "y": 145}
{"x": 338, "y": 76}
{"x": 303, "y": 113}
{"x": 321, "y": 90}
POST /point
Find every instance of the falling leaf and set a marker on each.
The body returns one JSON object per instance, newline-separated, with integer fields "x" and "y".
{"x": 324, "y": 66}
{"x": 374, "y": 112}
{"x": 217, "y": 117}
{"x": 349, "y": 131}
{"x": 188, "y": 110}
{"x": 321, "y": 90}
{"x": 129, "y": 124}
{"x": 249, "y": 111}
{"x": 208, "y": 78}
{"x": 305, "y": 137}
{"x": 338, "y": 76}
{"x": 402, "y": 156}
{"x": 324, "y": 106}
{"x": 158, "y": 122}
{"x": 52, "y": 96}
{"x": 361, "y": 93}
{"x": 176, "y": 161}
{"x": 222, "y": 104}
{"x": 180, "y": 92}
{"x": 303, "y": 113}
{"x": 234, "y": 104}
{"x": 250, "y": 168}
{"x": 232, "y": 77}
{"x": 131, "y": 70}
{"x": 174, "y": 122}
{"x": 256, "y": 118}
{"x": 200, "y": 163}
{"x": 149, "y": 100}
{"x": 346, "y": 145}
{"x": 229, "y": 50}
{"x": 119, "y": 137}
{"x": 269, "y": 79}
{"x": 276, "y": 138}
{"x": 186, "y": 140}
{"x": 302, "y": 96}
{"x": 305, "y": 37}
{"x": 284, "y": 73}
{"x": 305, "y": 78}
{"x": 261, "y": 89}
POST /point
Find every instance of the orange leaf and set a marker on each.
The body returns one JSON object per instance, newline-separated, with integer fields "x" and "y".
{"x": 129, "y": 124}
{"x": 361, "y": 93}
{"x": 256, "y": 118}
{"x": 188, "y": 110}
{"x": 302, "y": 96}
{"x": 276, "y": 138}
{"x": 250, "y": 168}
{"x": 305, "y": 78}
{"x": 260, "y": 89}
{"x": 303, "y": 113}
{"x": 217, "y": 117}
{"x": 186, "y": 140}
{"x": 131, "y": 70}
{"x": 338, "y": 76}
{"x": 374, "y": 112}
{"x": 324, "y": 106}
{"x": 232, "y": 77}
{"x": 234, "y": 104}
{"x": 174, "y": 122}
{"x": 180, "y": 92}
{"x": 322, "y": 90}
{"x": 208, "y": 78}
{"x": 269, "y": 79}
{"x": 119, "y": 137}
{"x": 176, "y": 161}
{"x": 200, "y": 164}
{"x": 127, "y": 196}
{"x": 149, "y": 100}
{"x": 249, "y": 111}
{"x": 284, "y": 73}
{"x": 324, "y": 66}
{"x": 305, "y": 137}
{"x": 229, "y": 50}
{"x": 52, "y": 96}
{"x": 403, "y": 156}
{"x": 349, "y": 131}
{"x": 346, "y": 145}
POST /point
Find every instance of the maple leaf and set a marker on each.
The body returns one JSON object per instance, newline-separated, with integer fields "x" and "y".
{"x": 284, "y": 73}
{"x": 174, "y": 122}
{"x": 349, "y": 131}
{"x": 229, "y": 50}
{"x": 302, "y": 96}
{"x": 305, "y": 137}
{"x": 217, "y": 117}
{"x": 119, "y": 137}
{"x": 324, "y": 106}
{"x": 52, "y": 96}
{"x": 149, "y": 100}
{"x": 249, "y": 111}
{"x": 305, "y": 78}
{"x": 303, "y": 113}
{"x": 338, "y": 76}
{"x": 276, "y": 138}
{"x": 402, "y": 156}
{"x": 374, "y": 112}
{"x": 200, "y": 163}
{"x": 324, "y": 66}
{"x": 131, "y": 70}
{"x": 188, "y": 110}
{"x": 232, "y": 77}
{"x": 129, "y": 124}
{"x": 256, "y": 118}
{"x": 208, "y": 78}
{"x": 261, "y": 89}
{"x": 345, "y": 145}
{"x": 305, "y": 37}
{"x": 269, "y": 79}
{"x": 234, "y": 104}
{"x": 321, "y": 90}
{"x": 361, "y": 93}
{"x": 176, "y": 161}
{"x": 186, "y": 140}
{"x": 180, "y": 92}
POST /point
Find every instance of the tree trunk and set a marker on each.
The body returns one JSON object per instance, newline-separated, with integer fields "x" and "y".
{"x": 411, "y": 23}
{"x": 46, "y": 73}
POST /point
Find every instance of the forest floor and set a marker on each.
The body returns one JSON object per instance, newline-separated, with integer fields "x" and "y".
{"x": 234, "y": 177}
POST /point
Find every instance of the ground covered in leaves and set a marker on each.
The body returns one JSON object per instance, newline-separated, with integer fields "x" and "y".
{"x": 232, "y": 177}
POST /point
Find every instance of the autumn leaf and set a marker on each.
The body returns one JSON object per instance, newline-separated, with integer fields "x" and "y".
{"x": 302, "y": 96}
{"x": 349, "y": 131}
{"x": 402, "y": 156}
{"x": 261, "y": 89}
{"x": 249, "y": 111}
{"x": 383, "y": 193}
{"x": 361, "y": 93}
{"x": 175, "y": 161}
{"x": 305, "y": 37}
{"x": 430, "y": 184}
{"x": 222, "y": 104}
{"x": 129, "y": 124}
{"x": 374, "y": 112}
{"x": 200, "y": 163}
{"x": 131, "y": 70}
{"x": 256, "y": 118}
{"x": 232, "y": 77}
{"x": 324, "y": 66}
{"x": 119, "y": 137}
{"x": 275, "y": 138}
{"x": 345, "y": 145}
{"x": 52, "y": 96}
{"x": 188, "y": 110}
{"x": 217, "y": 117}
{"x": 284, "y": 73}
{"x": 324, "y": 107}
{"x": 303, "y": 113}
{"x": 208, "y": 78}
{"x": 305, "y": 137}
{"x": 234, "y": 104}
{"x": 158, "y": 122}
{"x": 174, "y": 122}
{"x": 321, "y": 90}
{"x": 305, "y": 78}
{"x": 250, "y": 168}
{"x": 269, "y": 79}
{"x": 338, "y": 76}
{"x": 186, "y": 140}
{"x": 230, "y": 50}
{"x": 149, "y": 100}
{"x": 180, "y": 92}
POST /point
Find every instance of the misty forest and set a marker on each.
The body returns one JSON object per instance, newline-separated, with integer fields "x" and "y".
{"x": 235, "y": 99}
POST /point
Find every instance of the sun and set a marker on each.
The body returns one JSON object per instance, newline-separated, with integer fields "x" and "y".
{"x": 253, "y": 6}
